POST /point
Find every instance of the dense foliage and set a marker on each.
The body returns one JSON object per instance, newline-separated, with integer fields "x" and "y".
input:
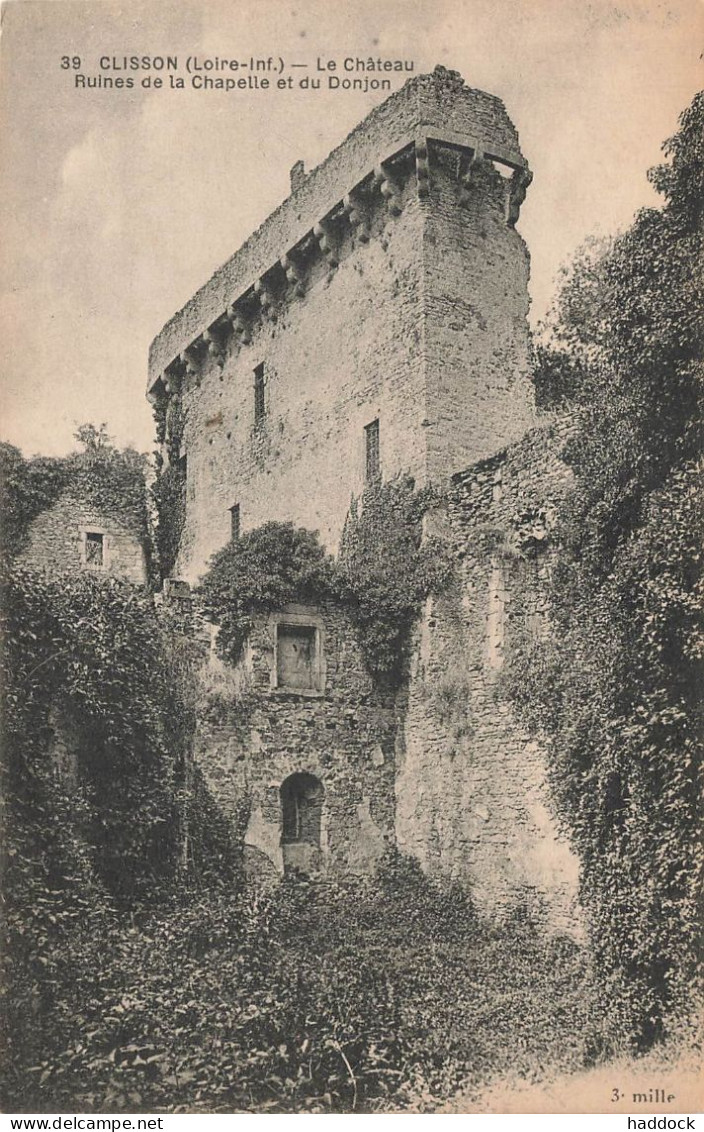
{"x": 366, "y": 995}
{"x": 616, "y": 688}
{"x": 107, "y": 478}
{"x": 169, "y": 492}
{"x": 169, "y": 489}
{"x": 84, "y": 666}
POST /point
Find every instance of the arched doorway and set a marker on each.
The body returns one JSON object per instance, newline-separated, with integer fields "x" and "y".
{"x": 301, "y": 818}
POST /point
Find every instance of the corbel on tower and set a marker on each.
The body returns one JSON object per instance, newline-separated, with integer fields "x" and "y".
{"x": 240, "y": 326}
{"x": 389, "y": 190}
{"x": 264, "y": 297}
{"x": 356, "y": 217}
{"x": 326, "y": 245}
{"x": 293, "y": 275}
{"x": 189, "y": 362}
{"x": 467, "y": 169}
{"x": 518, "y": 188}
{"x": 215, "y": 345}
{"x": 422, "y": 168}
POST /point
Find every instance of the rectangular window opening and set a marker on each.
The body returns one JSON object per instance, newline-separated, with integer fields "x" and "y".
{"x": 259, "y": 401}
{"x": 297, "y": 657}
{"x": 373, "y": 466}
{"x": 235, "y": 522}
{"x": 95, "y": 549}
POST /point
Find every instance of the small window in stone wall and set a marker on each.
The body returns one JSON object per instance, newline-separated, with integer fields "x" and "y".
{"x": 297, "y": 661}
{"x": 235, "y": 522}
{"x": 94, "y": 549}
{"x": 373, "y": 461}
{"x": 259, "y": 398}
{"x": 301, "y": 809}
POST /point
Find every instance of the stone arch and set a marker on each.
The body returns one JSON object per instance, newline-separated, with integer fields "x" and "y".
{"x": 302, "y": 796}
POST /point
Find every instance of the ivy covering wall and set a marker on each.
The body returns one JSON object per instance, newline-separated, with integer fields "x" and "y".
{"x": 617, "y": 688}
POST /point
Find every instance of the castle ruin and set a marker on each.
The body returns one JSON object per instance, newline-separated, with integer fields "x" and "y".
{"x": 376, "y": 325}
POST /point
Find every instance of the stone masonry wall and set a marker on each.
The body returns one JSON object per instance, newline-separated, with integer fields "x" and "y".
{"x": 56, "y": 541}
{"x": 251, "y": 737}
{"x": 472, "y": 801}
{"x": 438, "y": 100}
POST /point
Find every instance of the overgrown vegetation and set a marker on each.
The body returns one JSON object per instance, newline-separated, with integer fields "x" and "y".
{"x": 169, "y": 490}
{"x": 384, "y": 572}
{"x": 170, "y": 501}
{"x": 84, "y": 663}
{"x": 363, "y": 995}
{"x": 617, "y": 687}
{"x": 263, "y": 570}
{"x": 387, "y": 570}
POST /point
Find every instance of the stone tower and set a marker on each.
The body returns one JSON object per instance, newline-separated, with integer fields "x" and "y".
{"x": 376, "y": 323}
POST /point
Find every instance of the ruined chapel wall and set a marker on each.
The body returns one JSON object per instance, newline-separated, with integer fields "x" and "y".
{"x": 250, "y": 738}
{"x": 472, "y": 800}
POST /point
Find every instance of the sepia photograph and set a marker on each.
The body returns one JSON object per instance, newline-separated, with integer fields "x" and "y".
{"x": 351, "y": 545}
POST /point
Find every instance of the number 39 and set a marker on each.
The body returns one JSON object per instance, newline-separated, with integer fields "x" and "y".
{"x": 67, "y": 62}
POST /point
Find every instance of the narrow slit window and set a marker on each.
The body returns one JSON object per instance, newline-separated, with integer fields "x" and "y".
{"x": 373, "y": 467}
{"x": 235, "y": 522}
{"x": 259, "y": 401}
{"x": 95, "y": 549}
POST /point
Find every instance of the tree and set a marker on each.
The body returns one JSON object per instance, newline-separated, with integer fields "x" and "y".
{"x": 617, "y": 685}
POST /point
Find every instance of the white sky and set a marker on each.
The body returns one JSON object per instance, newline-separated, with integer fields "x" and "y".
{"x": 118, "y": 205}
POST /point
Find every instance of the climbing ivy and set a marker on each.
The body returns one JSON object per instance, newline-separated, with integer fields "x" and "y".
{"x": 387, "y": 569}
{"x": 615, "y": 690}
{"x": 169, "y": 490}
{"x": 170, "y": 500}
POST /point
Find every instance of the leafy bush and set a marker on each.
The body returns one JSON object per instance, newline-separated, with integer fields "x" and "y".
{"x": 384, "y": 572}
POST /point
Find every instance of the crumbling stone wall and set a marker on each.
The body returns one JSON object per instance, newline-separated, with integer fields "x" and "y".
{"x": 471, "y": 794}
{"x": 57, "y": 538}
{"x": 251, "y": 736}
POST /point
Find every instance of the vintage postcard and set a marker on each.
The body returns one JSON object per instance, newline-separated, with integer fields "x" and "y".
{"x": 350, "y": 557}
